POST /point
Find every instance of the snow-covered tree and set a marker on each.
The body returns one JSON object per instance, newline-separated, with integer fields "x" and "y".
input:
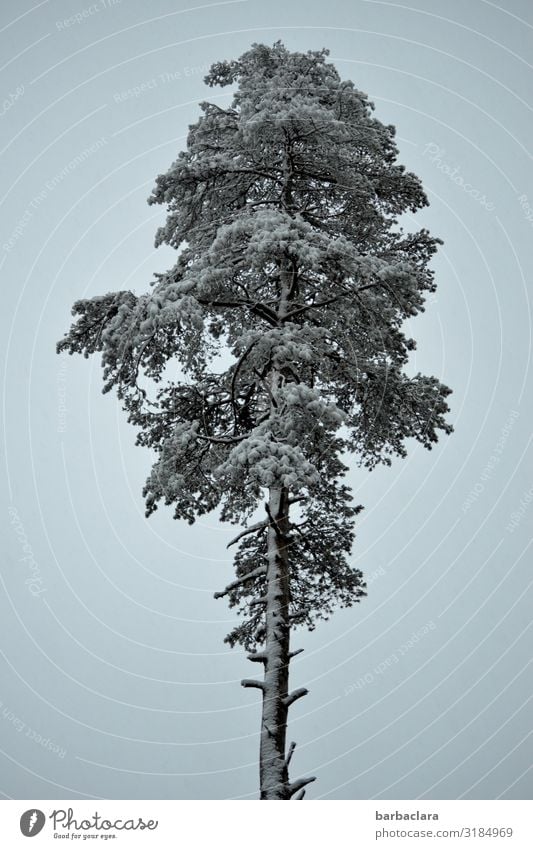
{"x": 293, "y": 269}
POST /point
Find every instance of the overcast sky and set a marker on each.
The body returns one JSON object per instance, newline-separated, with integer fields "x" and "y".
{"x": 115, "y": 681}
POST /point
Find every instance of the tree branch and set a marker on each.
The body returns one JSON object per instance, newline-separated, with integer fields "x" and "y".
{"x": 222, "y": 440}
{"x": 296, "y": 694}
{"x": 299, "y": 784}
{"x": 250, "y": 682}
{"x": 312, "y": 307}
{"x": 255, "y": 601}
{"x": 290, "y": 754}
{"x": 259, "y": 309}
{"x": 257, "y": 657}
{"x": 238, "y": 367}
{"x": 332, "y": 300}
{"x": 294, "y": 653}
{"x": 259, "y": 526}
{"x": 273, "y": 523}
{"x": 255, "y": 573}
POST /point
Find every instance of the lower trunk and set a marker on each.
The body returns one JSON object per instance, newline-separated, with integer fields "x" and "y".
{"x": 273, "y": 760}
{"x": 273, "y": 767}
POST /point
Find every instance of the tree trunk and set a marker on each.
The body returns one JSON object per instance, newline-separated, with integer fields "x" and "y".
{"x": 273, "y": 768}
{"x": 273, "y": 760}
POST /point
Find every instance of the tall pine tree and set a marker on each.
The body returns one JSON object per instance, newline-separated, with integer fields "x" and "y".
{"x": 284, "y": 212}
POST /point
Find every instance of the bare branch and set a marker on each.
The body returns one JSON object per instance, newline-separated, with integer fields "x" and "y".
{"x": 296, "y": 694}
{"x": 257, "y": 657}
{"x": 259, "y": 526}
{"x": 299, "y": 784}
{"x": 250, "y": 682}
{"x": 290, "y": 754}
{"x": 273, "y": 523}
{"x": 294, "y": 653}
{"x": 255, "y": 573}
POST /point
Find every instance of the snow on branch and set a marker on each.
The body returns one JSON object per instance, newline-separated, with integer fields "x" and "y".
{"x": 274, "y": 524}
{"x": 290, "y": 754}
{"x": 255, "y": 573}
{"x": 262, "y": 600}
{"x": 258, "y": 657}
{"x": 259, "y": 526}
{"x": 295, "y": 695}
{"x": 250, "y": 682}
{"x": 299, "y": 784}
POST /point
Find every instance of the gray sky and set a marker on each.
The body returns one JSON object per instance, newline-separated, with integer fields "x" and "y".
{"x": 115, "y": 679}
